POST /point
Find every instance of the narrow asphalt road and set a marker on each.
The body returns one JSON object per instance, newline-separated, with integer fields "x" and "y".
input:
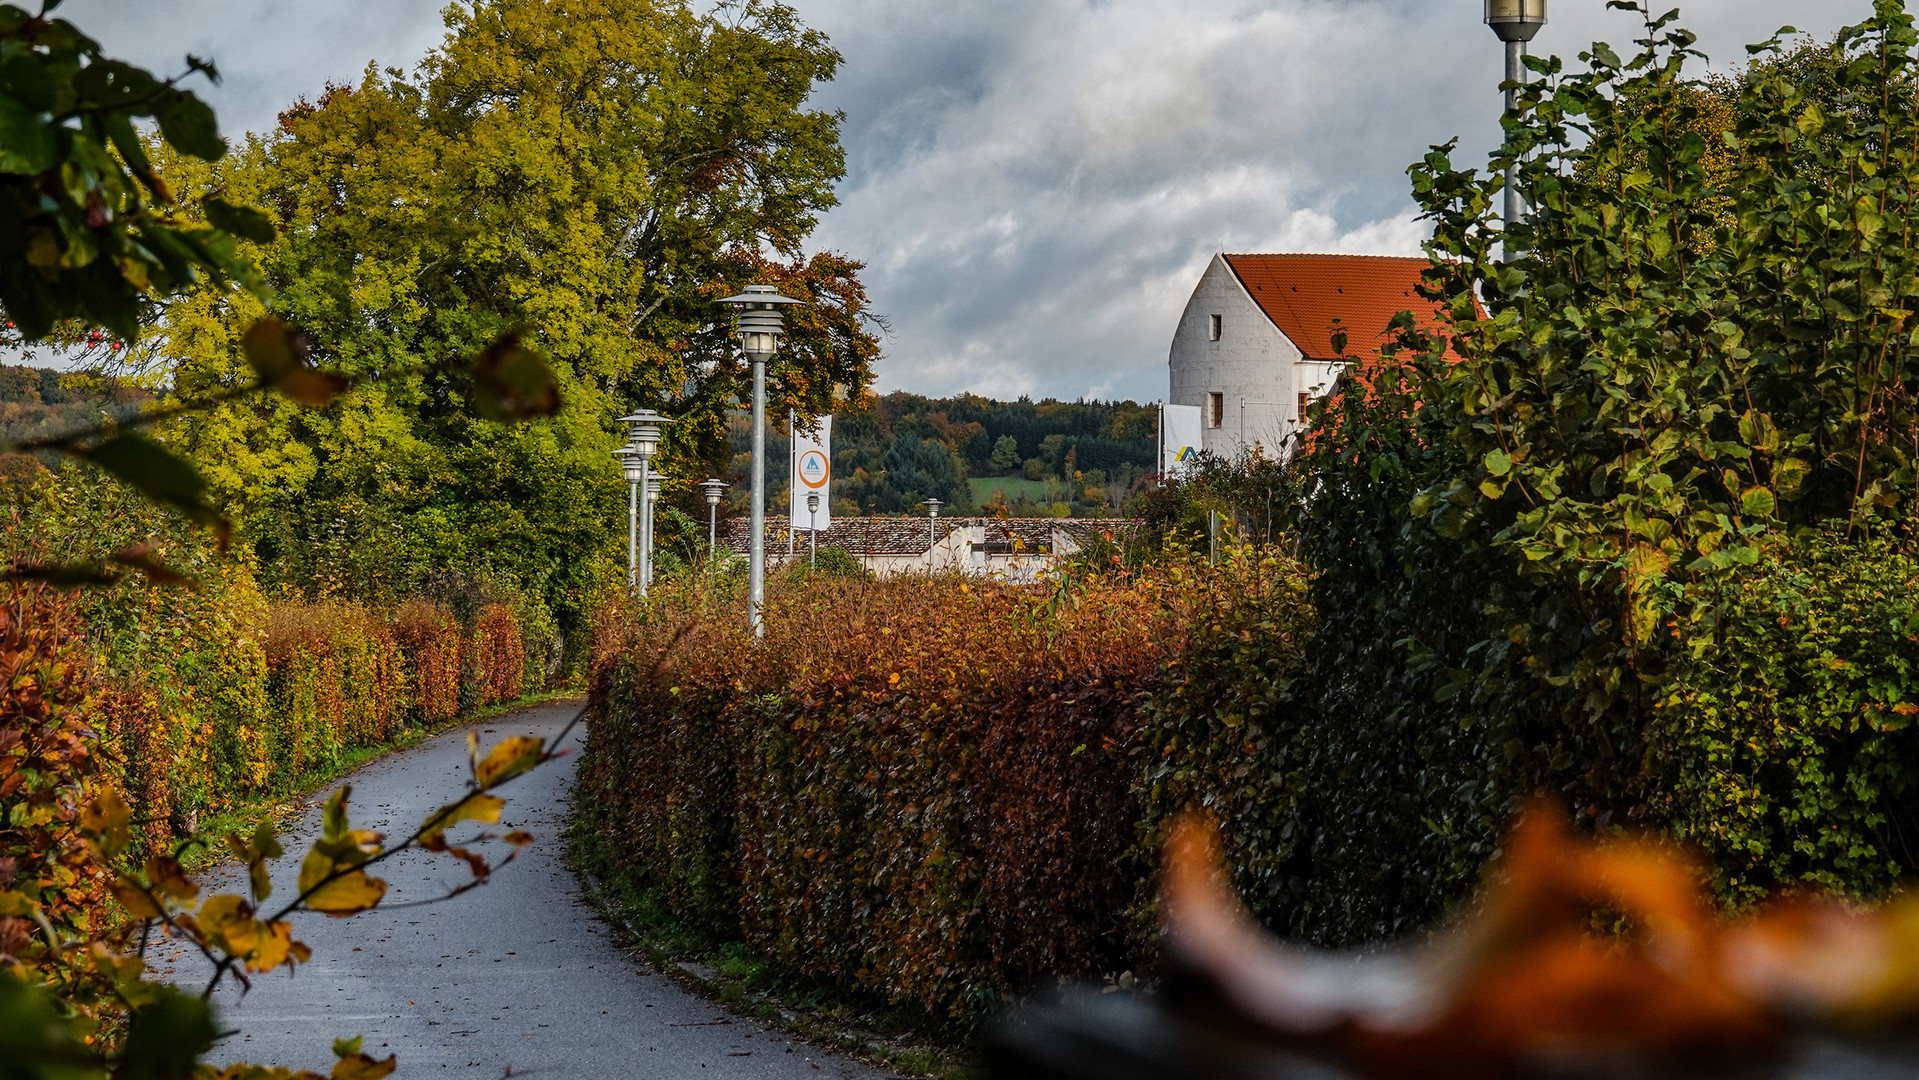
{"x": 518, "y": 977}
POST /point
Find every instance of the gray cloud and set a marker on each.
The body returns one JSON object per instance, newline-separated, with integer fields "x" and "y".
{"x": 1036, "y": 184}
{"x": 270, "y": 52}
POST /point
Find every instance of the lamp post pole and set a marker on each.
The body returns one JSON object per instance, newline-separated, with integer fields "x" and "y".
{"x": 643, "y": 441}
{"x": 812, "y": 529}
{"x": 629, "y": 459}
{"x": 653, "y": 486}
{"x": 760, "y": 327}
{"x": 932, "y": 515}
{"x": 792, "y": 471}
{"x": 714, "y": 489}
{"x": 1516, "y": 22}
{"x": 646, "y": 524}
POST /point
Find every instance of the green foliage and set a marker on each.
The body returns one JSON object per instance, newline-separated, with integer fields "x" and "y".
{"x": 589, "y": 193}
{"x": 1005, "y": 454}
{"x": 1781, "y": 745}
{"x": 835, "y": 561}
{"x": 1559, "y": 557}
{"x": 88, "y": 231}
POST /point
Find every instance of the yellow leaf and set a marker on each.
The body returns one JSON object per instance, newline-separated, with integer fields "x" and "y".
{"x": 510, "y": 758}
{"x": 228, "y": 922}
{"x": 345, "y": 895}
{"x": 481, "y": 808}
{"x": 105, "y": 820}
{"x": 170, "y": 881}
{"x": 275, "y": 944}
{"x": 114, "y": 966}
{"x": 362, "y": 1067}
{"x": 136, "y": 900}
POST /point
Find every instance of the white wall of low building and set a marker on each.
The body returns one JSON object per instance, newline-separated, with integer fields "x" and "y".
{"x": 1256, "y": 371}
{"x": 970, "y": 546}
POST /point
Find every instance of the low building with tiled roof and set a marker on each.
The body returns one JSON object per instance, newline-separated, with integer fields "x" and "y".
{"x": 1016, "y": 549}
{"x": 1255, "y": 344}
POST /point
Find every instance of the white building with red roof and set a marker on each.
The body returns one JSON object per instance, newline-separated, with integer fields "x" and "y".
{"x": 1255, "y": 344}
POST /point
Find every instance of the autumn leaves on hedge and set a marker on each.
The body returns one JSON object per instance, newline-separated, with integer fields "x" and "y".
{"x": 931, "y": 791}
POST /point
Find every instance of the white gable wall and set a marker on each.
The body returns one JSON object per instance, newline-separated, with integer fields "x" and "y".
{"x": 1256, "y": 371}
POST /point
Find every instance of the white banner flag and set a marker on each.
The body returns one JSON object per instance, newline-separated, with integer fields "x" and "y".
{"x": 1179, "y": 437}
{"x": 813, "y": 475}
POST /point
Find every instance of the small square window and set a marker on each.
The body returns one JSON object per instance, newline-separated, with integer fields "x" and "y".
{"x": 1218, "y": 402}
{"x": 1212, "y": 327}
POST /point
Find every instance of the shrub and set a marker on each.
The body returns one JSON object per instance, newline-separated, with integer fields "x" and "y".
{"x": 48, "y": 769}
{"x": 925, "y": 790}
{"x": 429, "y": 640}
{"x": 335, "y": 675}
{"x": 499, "y": 655}
{"x": 1782, "y": 745}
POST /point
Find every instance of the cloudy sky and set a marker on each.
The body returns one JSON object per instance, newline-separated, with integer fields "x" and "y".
{"x": 1035, "y": 185}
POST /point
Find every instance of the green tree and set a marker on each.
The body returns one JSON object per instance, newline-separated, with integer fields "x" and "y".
{"x": 597, "y": 172}
{"x": 1005, "y": 454}
{"x": 1532, "y": 528}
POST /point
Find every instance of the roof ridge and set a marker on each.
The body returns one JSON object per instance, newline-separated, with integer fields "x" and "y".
{"x": 1310, "y": 291}
{"x": 1318, "y": 255}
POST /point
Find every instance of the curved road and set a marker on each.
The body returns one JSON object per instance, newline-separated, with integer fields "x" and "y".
{"x": 517, "y": 977}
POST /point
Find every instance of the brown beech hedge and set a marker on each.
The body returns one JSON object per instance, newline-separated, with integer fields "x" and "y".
{"x": 932, "y": 791}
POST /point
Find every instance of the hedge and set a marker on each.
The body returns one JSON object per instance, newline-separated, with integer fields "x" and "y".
{"x": 930, "y": 791}
{"x": 214, "y": 693}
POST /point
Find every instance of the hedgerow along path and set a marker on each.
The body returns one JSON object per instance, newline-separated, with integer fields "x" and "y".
{"x": 517, "y": 977}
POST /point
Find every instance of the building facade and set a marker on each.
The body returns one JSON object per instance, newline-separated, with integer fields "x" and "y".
{"x": 1008, "y": 549}
{"x": 1255, "y": 344}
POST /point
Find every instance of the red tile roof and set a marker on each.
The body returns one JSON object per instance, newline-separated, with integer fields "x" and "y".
{"x": 1303, "y": 294}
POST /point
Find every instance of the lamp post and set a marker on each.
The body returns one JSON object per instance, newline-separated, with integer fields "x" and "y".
{"x": 634, "y": 470}
{"x": 643, "y": 441}
{"x": 760, "y": 326}
{"x": 714, "y": 489}
{"x": 932, "y": 515}
{"x": 1515, "y": 21}
{"x": 654, "y": 484}
{"x": 812, "y": 529}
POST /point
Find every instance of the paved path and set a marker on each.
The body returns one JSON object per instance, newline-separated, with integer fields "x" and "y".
{"x": 517, "y": 976}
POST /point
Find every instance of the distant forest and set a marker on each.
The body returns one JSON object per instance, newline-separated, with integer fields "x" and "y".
{"x": 974, "y": 454}
{"x": 38, "y": 402}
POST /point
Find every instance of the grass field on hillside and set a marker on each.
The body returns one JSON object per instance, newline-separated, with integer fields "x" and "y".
{"x": 1014, "y": 487}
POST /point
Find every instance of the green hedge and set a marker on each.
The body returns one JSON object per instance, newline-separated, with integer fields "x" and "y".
{"x": 1783, "y": 745}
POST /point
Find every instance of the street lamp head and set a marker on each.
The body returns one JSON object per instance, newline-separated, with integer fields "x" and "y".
{"x": 654, "y": 484}
{"x": 932, "y": 507}
{"x": 812, "y": 502}
{"x": 760, "y": 324}
{"x": 714, "y": 490}
{"x": 643, "y": 431}
{"x": 1515, "y": 20}
{"x": 629, "y": 459}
